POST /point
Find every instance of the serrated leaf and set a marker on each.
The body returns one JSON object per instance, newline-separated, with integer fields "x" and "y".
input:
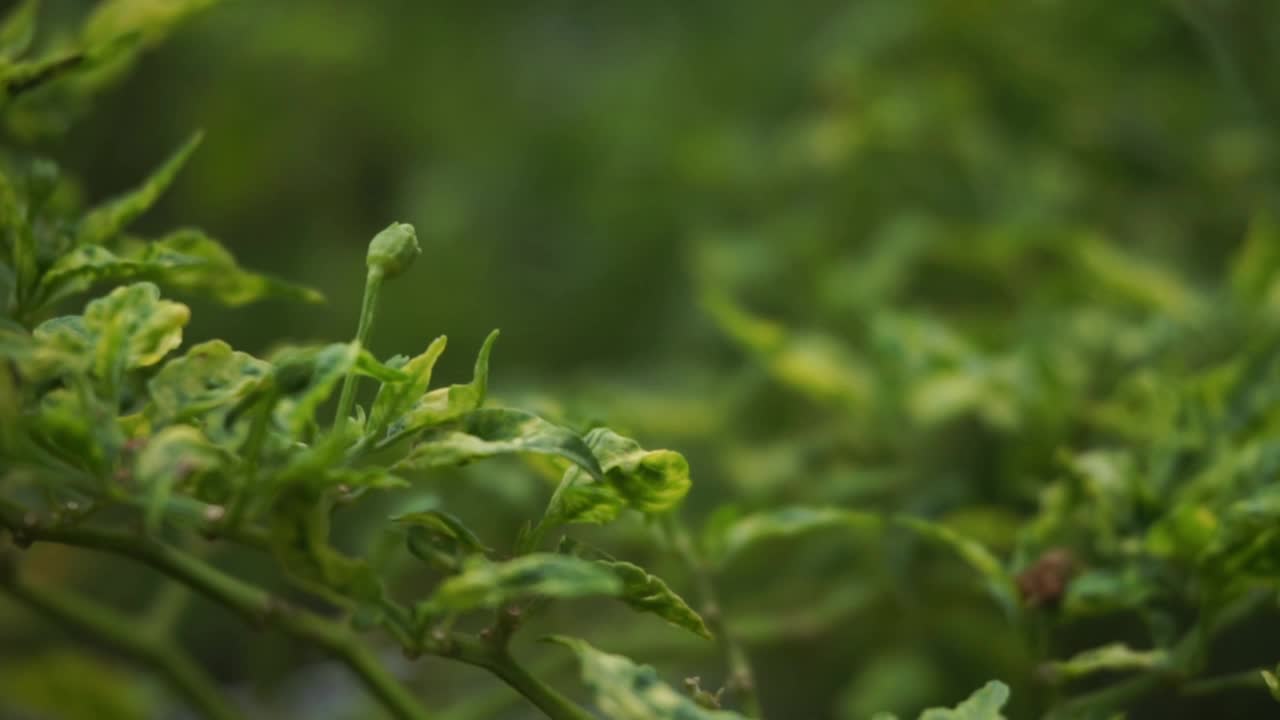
{"x": 208, "y": 376}
{"x": 18, "y": 29}
{"x": 394, "y": 399}
{"x": 624, "y": 690}
{"x": 106, "y": 221}
{"x": 985, "y": 704}
{"x": 448, "y": 403}
{"x": 737, "y": 535}
{"x": 1108, "y": 658}
{"x": 650, "y": 481}
{"x": 496, "y": 431}
{"x": 486, "y": 584}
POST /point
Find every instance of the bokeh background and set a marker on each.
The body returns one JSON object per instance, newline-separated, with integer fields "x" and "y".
{"x": 643, "y": 195}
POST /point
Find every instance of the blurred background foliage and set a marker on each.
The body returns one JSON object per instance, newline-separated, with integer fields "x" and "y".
{"x": 899, "y": 255}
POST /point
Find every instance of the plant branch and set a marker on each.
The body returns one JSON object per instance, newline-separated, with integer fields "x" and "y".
{"x": 741, "y": 677}
{"x": 111, "y": 629}
{"x": 252, "y": 603}
{"x": 498, "y": 661}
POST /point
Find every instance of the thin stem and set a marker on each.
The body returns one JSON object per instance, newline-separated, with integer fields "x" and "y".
{"x": 372, "y": 285}
{"x": 741, "y": 677}
{"x": 250, "y": 602}
{"x": 499, "y": 662}
{"x": 112, "y": 630}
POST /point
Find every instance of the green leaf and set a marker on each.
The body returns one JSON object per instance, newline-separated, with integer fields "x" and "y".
{"x": 299, "y": 533}
{"x": 648, "y": 593}
{"x": 18, "y": 30}
{"x": 208, "y": 376}
{"x": 744, "y": 532}
{"x": 1108, "y": 658}
{"x": 999, "y": 583}
{"x": 642, "y": 591}
{"x": 447, "y": 403}
{"x": 198, "y": 263}
{"x": 496, "y": 431}
{"x": 106, "y": 221}
{"x": 486, "y": 584}
{"x": 22, "y": 77}
{"x": 985, "y": 704}
{"x": 440, "y": 538}
{"x": 174, "y": 455}
{"x": 306, "y": 377}
{"x": 626, "y": 691}
{"x": 650, "y": 481}
{"x": 129, "y": 328}
{"x": 394, "y": 399}
{"x": 1272, "y": 680}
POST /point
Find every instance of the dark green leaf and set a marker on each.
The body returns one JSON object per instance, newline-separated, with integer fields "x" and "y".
{"x": 18, "y": 29}
{"x": 106, "y": 221}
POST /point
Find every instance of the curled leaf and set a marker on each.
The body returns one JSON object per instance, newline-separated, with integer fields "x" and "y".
{"x": 486, "y": 584}
{"x": 625, "y": 690}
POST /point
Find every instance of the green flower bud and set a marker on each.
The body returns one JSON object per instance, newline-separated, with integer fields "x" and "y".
{"x": 393, "y": 250}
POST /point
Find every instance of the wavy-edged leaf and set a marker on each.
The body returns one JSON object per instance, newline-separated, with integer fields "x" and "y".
{"x": 643, "y": 591}
{"x": 650, "y": 481}
{"x": 18, "y": 30}
{"x": 1114, "y": 657}
{"x": 496, "y": 431}
{"x": 129, "y": 328}
{"x": 625, "y": 690}
{"x": 448, "y": 403}
{"x": 105, "y": 222}
{"x": 208, "y": 376}
{"x": 174, "y": 455}
{"x": 736, "y": 535}
{"x": 487, "y": 584}
{"x": 394, "y": 399}
{"x": 984, "y": 704}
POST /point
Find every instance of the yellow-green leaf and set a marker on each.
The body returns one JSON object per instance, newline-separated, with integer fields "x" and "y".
{"x": 486, "y": 584}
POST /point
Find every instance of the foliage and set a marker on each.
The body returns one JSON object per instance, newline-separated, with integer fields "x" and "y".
{"x": 964, "y": 315}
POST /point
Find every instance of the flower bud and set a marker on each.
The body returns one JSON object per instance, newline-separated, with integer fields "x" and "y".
{"x": 393, "y": 250}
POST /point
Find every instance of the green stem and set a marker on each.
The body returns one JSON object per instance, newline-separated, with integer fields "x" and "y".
{"x": 113, "y": 630}
{"x": 250, "y": 602}
{"x": 499, "y": 662}
{"x": 741, "y": 676}
{"x": 372, "y": 285}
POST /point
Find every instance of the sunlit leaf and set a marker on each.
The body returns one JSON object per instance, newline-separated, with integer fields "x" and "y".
{"x": 447, "y": 403}
{"x": 487, "y": 584}
{"x": 985, "y": 704}
{"x": 1115, "y": 657}
{"x": 394, "y": 399}
{"x": 624, "y": 690}
{"x": 496, "y": 431}
{"x": 208, "y": 376}
{"x": 650, "y": 481}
